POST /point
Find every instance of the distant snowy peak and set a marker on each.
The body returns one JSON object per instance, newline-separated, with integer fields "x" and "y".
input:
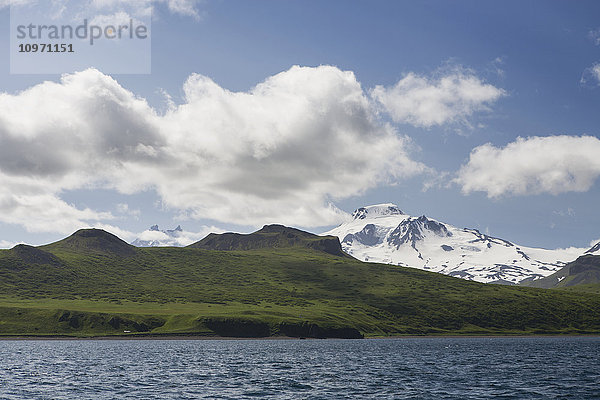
{"x": 378, "y": 210}
{"x": 175, "y": 231}
{"x": 154, "y": 237}
{"x": 383, "y": 233}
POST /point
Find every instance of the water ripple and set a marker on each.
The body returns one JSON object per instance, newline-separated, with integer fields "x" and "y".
{"x": 421, "y": 368}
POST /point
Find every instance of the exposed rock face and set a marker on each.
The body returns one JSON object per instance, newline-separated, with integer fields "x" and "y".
{"x": 234, "y": 327}
{"x": 367, "y": 236}
{"x": 317, "y": 332}
{"x": 412, "y": 230}
{"x": 594, "y": 250}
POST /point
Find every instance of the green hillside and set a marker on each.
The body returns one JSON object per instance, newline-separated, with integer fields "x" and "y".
{"x": 581, "y": 275}
{"x": 278, "y": 281}
{"x": 271, "y": 237}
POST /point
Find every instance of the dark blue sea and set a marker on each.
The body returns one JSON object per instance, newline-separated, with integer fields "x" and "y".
{"x": 407, "y": 368}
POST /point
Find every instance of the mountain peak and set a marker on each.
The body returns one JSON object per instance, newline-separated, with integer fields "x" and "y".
{"x": 412, "y": 230}
{"x": 276, "y": 228}
{"x": 377, "y": 210}
{"x": 155, "y": 237}
{"x": 382, "y": 233}
{"x": 174, "y": 232}
{"x": 95, "y": 240}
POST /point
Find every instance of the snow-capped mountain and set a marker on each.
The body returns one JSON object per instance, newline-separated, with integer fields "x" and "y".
{"x": 383, "y": 233}
{"x": 154, "y": 237}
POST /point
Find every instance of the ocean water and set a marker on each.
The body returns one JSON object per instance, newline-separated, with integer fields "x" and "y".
{"x": 407, "y": 368}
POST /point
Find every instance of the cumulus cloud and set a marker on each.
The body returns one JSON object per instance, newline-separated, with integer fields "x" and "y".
{"x": 533, "y": 165}
{"x": 44, "y": 212}
{"x": 281, "y": 152}
{"x": 426, "y": 102}
{"x": 299, "y": 138}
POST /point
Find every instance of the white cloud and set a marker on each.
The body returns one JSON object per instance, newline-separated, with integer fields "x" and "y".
{"x": 280, "y": 152}
{"x": 533, "y": 165}
{"x": 591, "y": 75}
{"x": 115, "y": 230}
{"x": 4, "y": 244}
{"x": 183, "y": 7}
{"x": 187, "y": 8}
{"x": 117, "y": 19}
{"x": 426, "y": 102}
{"x": 124, "y": 209}
{"x": 299, "y": 138}
{"x": 39, "y": 210}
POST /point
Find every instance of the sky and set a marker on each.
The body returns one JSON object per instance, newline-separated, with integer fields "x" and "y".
{"x": 477, "y": 114}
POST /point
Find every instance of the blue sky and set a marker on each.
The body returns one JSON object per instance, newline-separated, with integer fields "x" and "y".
{"x": 422, "y": 105}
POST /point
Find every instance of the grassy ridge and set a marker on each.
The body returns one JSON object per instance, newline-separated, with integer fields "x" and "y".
{"x": 82, "y": 287}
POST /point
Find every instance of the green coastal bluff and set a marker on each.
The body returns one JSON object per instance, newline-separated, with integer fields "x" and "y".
{"x": 278, "y": 281}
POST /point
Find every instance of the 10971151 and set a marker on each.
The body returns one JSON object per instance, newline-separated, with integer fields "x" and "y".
{"x": 46, "y": 48}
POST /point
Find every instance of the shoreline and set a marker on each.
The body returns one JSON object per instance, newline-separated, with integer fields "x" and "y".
{"x": 201, "y": 337}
